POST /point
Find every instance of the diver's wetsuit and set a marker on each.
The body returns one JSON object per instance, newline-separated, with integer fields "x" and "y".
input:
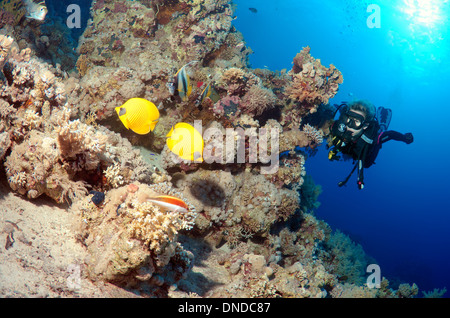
{"x": 364, "y": 147}
{"x": 365, "y": 150}
{"x": 383, "y": 137}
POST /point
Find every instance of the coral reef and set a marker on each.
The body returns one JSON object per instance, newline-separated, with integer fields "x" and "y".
{"x": 131, "y": 241}
{"x": 312, "y": 83}
{"x": 138, "y": 56}
{"x": 50, "y": 153}
{"x": 347, "y": 259}
{"x": 60, "y": 138}
{"x": 5, "y": 47}
{"x": 235, "y": 208}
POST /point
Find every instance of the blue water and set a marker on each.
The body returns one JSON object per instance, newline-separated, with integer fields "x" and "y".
{"x": 401, "y": 217}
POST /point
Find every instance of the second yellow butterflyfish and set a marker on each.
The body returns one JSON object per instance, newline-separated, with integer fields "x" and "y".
{"x": 186, "y": 142}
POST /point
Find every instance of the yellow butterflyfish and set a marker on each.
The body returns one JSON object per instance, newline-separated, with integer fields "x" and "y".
{"x": 186, "y": 142}
{"x": 139, "y": 115}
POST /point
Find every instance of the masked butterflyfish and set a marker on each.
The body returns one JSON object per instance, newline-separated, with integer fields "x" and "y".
{"x": 170, "y": 203}
{"x": 139, "y": 115}
{"x": 186, "y": 142}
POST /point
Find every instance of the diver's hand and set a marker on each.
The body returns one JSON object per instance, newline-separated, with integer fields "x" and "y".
{"x": 409, "y": 138}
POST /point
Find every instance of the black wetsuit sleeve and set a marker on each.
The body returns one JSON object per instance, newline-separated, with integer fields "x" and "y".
{"x": 395, "y": 135}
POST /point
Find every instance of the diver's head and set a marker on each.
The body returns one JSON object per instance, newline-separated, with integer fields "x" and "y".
{"x": 358, "y": 117}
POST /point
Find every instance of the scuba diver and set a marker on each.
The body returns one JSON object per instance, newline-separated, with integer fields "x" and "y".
{"x": 360, "y": 132}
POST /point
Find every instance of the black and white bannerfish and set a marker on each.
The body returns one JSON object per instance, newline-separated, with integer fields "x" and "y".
{"x": 181, "y": 83}
{"x": 205, "y": 93}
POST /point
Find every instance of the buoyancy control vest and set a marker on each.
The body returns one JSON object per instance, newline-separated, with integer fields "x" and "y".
{"x": 358, "y": 148}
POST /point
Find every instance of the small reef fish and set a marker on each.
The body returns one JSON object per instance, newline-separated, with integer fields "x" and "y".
{"x": 139, "y": 115}
{"x": 181, "y": 84}
{"x": 253, "y": 10}
{"x": 170, "y": 203}
{"x": 32, "y": 9}
{"x": 97, "y": 197}
{"x": 208, "y": 91}
{"x": 37, "y": 10}
{"x": 186, "y": 142}
{"x": 205, "y": 93}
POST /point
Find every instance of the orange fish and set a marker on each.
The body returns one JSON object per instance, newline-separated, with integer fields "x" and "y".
{"x": 170, "y": 203}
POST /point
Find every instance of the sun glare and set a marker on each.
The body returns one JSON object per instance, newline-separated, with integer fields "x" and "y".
{"x": 427, "y": 13}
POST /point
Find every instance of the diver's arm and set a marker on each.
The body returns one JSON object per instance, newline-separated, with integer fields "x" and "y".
{"x": 395, "y": 135}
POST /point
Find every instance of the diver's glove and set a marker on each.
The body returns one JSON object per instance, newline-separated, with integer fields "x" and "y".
{"x": 409, "y": 138}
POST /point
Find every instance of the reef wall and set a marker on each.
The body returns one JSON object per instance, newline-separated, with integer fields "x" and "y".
{"x": 60, "y": 137}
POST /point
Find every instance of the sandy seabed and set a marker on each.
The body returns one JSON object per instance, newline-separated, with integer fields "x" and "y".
{"x": 39, "y": 253}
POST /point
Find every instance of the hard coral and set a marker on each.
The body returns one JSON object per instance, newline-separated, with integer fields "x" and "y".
{"x": 237, "y": 81}
{"x": 312, "y": 83}
{"x": 5, "y": 47}
{"x": 33, "y": 169}
{"x": 132, "y": 242}
{"x": 257, "y": 100}
{"x": 315, "y": 136}
{"x": 249, "y": 202}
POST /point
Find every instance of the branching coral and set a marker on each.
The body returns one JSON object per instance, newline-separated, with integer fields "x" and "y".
{"x": 435, "y": 293}
{"x": 314, "y": 135}
{"x": 237, "y": 81}
{"x": 113, "y": 176}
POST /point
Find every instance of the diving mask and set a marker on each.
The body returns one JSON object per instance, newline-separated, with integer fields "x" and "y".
{"x": 354, "y": 120}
